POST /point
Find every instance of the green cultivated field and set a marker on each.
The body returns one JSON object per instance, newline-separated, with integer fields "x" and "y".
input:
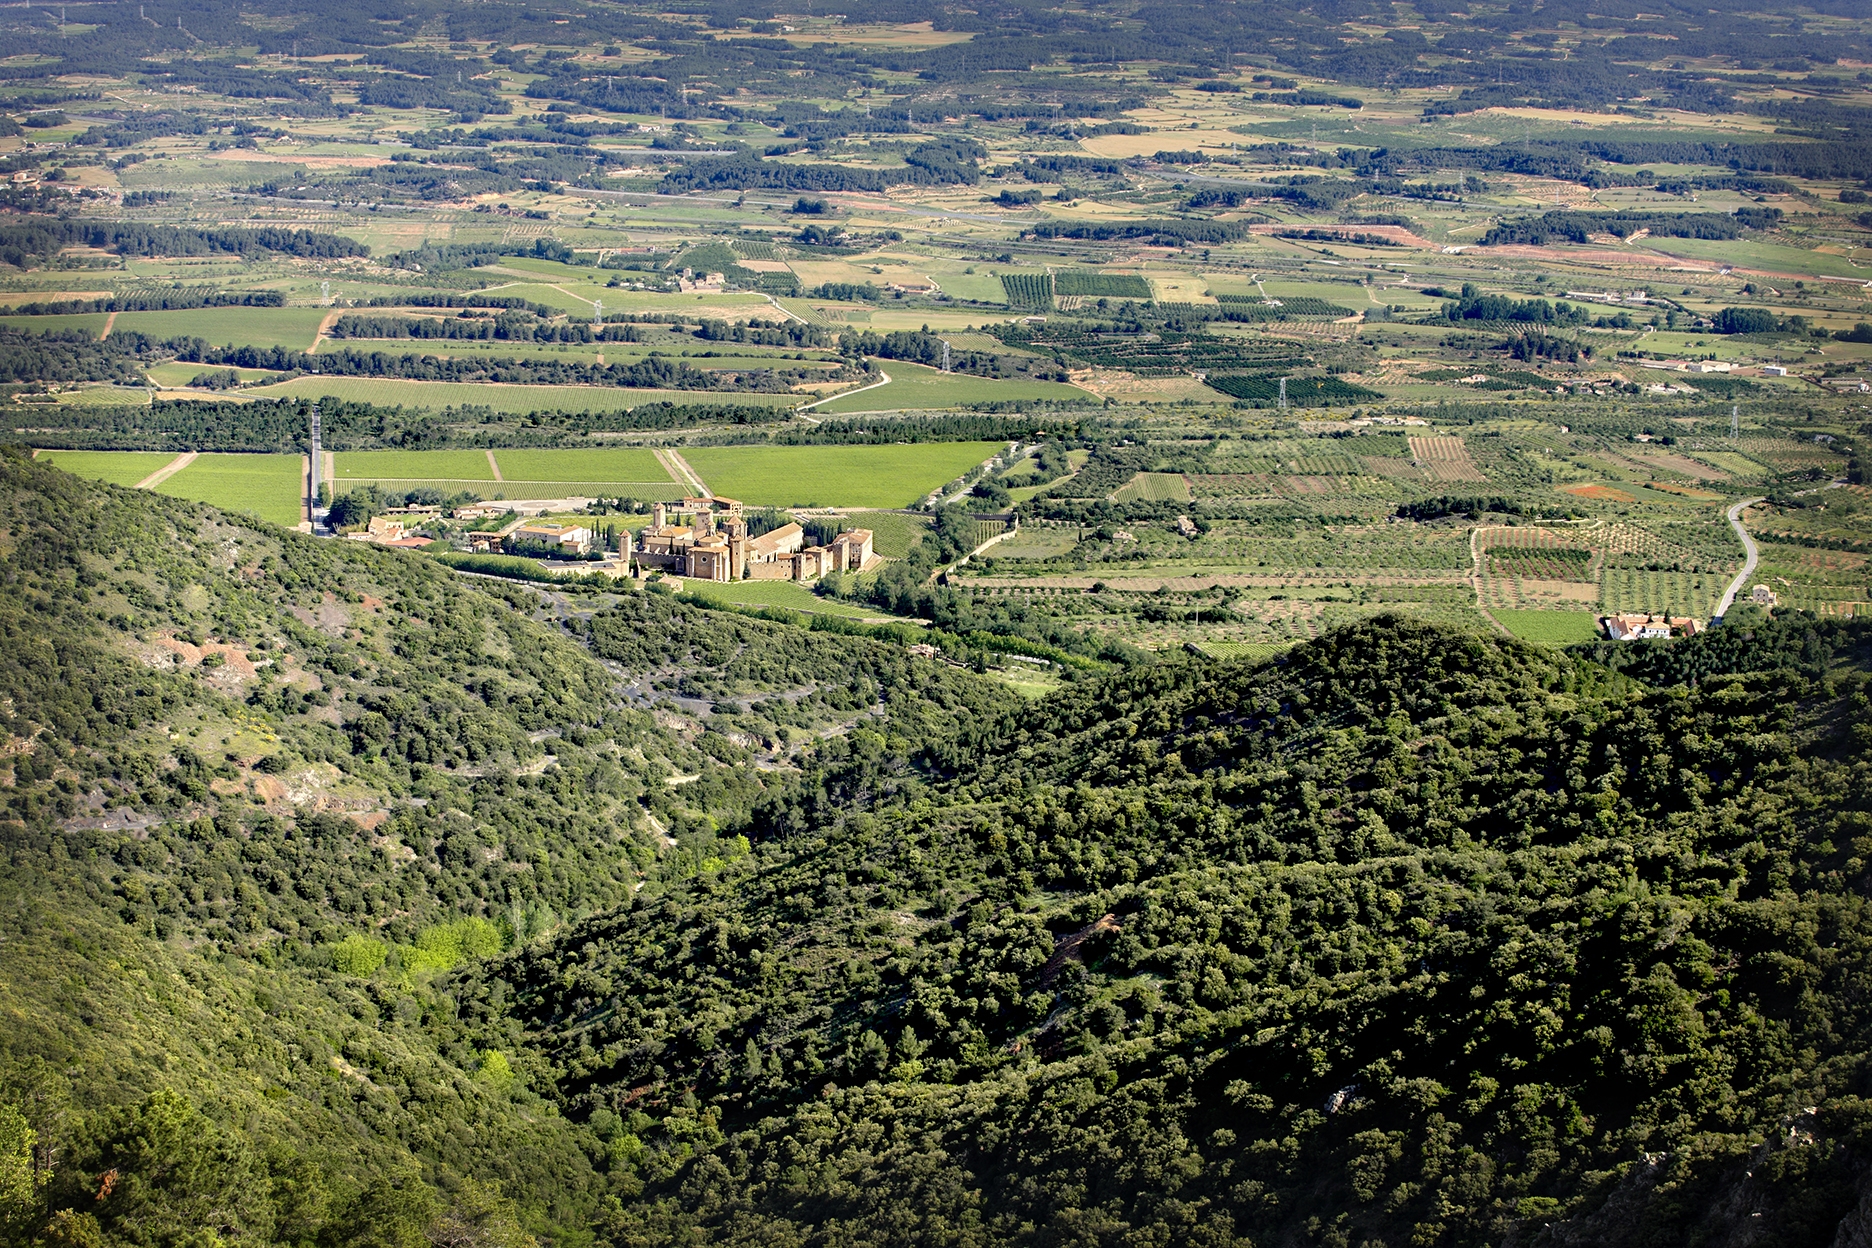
{"x": 1153, "y": 487}
{"x": 788, "y": 594}
{"x": 267, "y": 485}
{"x": 598, "y": 472}
{"x": 181, "y": 374}
{"x": 740, "y": 357}
{"x": 914, "y": 387}
{"x": 116, "y": 467}
{"x": 835, "y": 476}
{"x": 619, "y": 464}
{"x": 648, "y": 491}
{"x": 240, "y": 327}
{"x": 1558, "y": 628}
{"x": 893, "y": 533}
{"x": 412, "y": 466}
{"x": 1242, "y": 649}
{"x": 389, "y": 392}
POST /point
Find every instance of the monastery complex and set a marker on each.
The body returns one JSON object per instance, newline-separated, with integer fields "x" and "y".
{"x": 706, "y": 539}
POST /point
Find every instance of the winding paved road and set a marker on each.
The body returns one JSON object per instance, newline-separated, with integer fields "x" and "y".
{"x": 1748, "y": 567}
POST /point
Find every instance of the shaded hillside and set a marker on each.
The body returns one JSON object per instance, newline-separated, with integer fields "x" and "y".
{"x": 1414, "y": 937}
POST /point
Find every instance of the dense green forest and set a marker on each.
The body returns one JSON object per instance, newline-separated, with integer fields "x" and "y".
{"x": 349, "y": 900}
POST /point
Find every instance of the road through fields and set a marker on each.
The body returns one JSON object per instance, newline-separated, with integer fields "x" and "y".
{"x": 1748, "y": 566}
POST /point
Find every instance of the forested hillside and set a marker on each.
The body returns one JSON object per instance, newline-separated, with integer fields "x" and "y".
{"x": 1412, "y": 938}
{"x": 349, "y": 900}
{"x": 262, "y": 790}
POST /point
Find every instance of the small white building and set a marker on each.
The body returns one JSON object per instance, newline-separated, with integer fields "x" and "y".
{"x": 571, "y": 539}
{"x": 1650, "y": 627}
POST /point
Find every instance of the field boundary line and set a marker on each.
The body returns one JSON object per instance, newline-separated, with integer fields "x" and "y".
{"x": 494, "y": 465}
{"x": 168, "y": 470}
{"x": 684, "y": 474}
{"x": 806, "y": 407}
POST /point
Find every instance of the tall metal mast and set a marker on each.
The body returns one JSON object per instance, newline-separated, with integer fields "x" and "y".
{"x": 318, "y": 474}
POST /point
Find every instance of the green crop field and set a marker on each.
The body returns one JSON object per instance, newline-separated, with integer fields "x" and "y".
{"x": 568, "y": 353}
{"x": 1092, "y": 282}
{"x": 1251, "y": 650}
{"x": 893, "y": 533}
{"x": 1028, "y": 291}
{"x": 1153, "y": 487}
{"x": 389, "y": 392}
{"x": 620, "y": 464}
{"x": 742, "y": 357}
{"x": 787, "y": 594}
{"x": 497, "y": 491}
{"x": 1036, "y": 543}
{"x": 182, "y": 373}
{"x": 914, "y": 387}
{"x": 602, "y": 472}
{"x": 267, "y": 485}
{"x": 1665, "y": 593}
{"x": 646, "y": 491}
{"x": 116, "y": 467}
{"x": 241, "y": 327}
{"x": 412, "y": 466}
{"x": 1558, "y": 628}
{"x": 835, "y": 476}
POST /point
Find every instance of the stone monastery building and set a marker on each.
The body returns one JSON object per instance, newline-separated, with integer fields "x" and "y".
{"x": 714, "y": 546}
